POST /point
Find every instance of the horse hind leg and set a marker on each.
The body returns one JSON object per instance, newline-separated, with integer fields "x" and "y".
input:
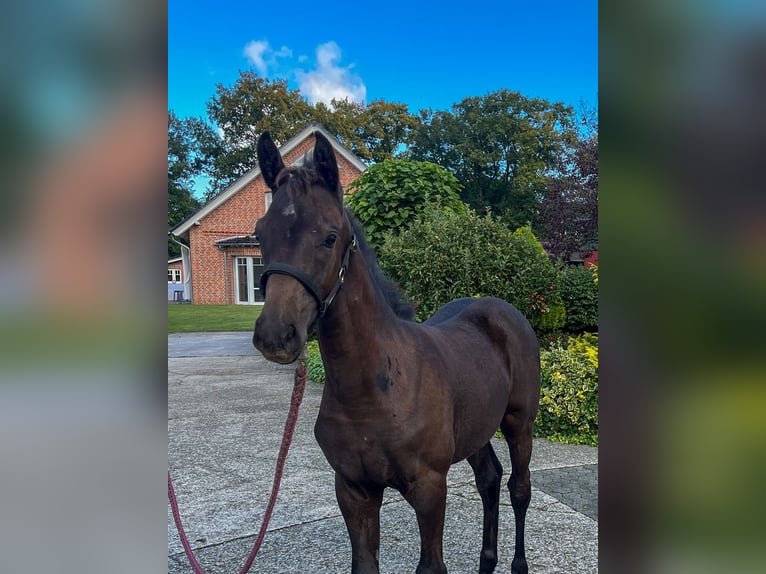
{"x": 518, "y": 435}
{"x": 488, "y": 472}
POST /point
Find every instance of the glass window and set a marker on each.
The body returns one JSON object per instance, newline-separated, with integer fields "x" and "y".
{"x": 257, "y": 272}
{"x": 242, "y": 280}
{"x": 247, "y": 280}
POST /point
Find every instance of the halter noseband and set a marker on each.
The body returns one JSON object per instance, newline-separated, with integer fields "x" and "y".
{"x": 308, "y": 282}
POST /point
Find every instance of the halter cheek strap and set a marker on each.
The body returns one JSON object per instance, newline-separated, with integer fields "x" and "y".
{"x": 307, "y": 282}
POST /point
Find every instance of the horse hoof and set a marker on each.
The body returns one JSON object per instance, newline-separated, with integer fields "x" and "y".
{"x": 519, "y": 566}
{"x": 487, "y": 562}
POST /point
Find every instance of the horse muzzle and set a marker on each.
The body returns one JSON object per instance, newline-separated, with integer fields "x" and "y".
{"x": 281, "y": 329}
{"x": 278, "y": 343}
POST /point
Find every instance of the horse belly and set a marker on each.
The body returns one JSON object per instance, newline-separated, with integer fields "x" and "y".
{"x": 474, "y": 429}
{"x": 480, "y": 401}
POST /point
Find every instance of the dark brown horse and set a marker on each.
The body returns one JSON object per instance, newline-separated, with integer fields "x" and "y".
{"x": 403, "y": 401}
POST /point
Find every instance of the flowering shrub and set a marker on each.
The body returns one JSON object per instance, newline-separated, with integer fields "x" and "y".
{"x": 550, "y": 316}
{"x": 569, "y": 394}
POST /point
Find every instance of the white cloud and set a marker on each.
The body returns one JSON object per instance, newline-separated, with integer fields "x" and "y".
{"x": 254, "y": 52}
{"x": 262, "y": 56}
{"x": 330, "y": 81}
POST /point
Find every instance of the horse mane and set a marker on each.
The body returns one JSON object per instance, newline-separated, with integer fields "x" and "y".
{"x": 296, "y": 178}
{"x": 387, "y": 288}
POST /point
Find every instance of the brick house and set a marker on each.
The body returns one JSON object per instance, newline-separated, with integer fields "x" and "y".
{"x": 224, "y": 260}
{"x": 175, "y": 279}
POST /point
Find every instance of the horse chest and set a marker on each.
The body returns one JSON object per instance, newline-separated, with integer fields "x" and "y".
{"x": 359, "y": 451}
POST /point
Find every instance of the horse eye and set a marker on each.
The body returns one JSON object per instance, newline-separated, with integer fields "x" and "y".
{"x": 330, "y": 241}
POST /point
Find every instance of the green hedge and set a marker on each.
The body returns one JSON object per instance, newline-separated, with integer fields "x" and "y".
{"x": 569, "y": 394}
{"x": 579, "y": 290}
{"x": 444, "y": 256}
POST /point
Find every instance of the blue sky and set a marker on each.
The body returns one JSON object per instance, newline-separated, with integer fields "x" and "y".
{"x": 423, "y": 54}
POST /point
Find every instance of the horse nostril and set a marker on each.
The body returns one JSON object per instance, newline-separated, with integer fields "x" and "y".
{"x": 291, "y": 332}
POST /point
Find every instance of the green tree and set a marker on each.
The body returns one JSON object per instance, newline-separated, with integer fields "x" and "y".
{"x": 385, "y": 127}
{"x": 185, "y": 161}
{"x": 245, "y": 110}
{"x": 342, "y": 119}
{"x": 373, "y": 132}
{"x": 389, "y": 195}
{"x": 568, "y": 218}
{"x": 501, "y": 147}
{"x": 253, "y": 105}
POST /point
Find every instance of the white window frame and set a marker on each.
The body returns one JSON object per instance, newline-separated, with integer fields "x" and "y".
{"x": 176, "y": 273}
{"x": 252, "y": 288}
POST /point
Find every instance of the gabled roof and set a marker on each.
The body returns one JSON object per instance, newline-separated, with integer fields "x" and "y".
{"x": 183, "y": 227}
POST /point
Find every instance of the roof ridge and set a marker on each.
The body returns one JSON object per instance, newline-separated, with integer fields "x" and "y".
{"x": 251, "y": 174}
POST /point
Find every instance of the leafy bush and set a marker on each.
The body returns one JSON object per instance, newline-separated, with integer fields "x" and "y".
{"x": 389, "y": 195}
{"x": 443, "y": 256}
{"x": 569, "y": 394}
{"x": 315, "y": 365}
{"x": 579, "y": 291}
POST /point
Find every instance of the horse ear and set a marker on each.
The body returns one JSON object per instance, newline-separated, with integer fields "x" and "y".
{"x": 269, "y": 160}
{"x": 326, "y": 164}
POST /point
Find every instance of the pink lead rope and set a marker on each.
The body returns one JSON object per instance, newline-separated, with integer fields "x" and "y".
{"x": 287, "y": 437}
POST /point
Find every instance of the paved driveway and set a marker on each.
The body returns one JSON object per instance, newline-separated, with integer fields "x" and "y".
{"x": 226, "y": 412}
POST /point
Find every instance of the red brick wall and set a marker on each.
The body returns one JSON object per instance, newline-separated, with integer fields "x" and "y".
{"x": 212, "y": 279}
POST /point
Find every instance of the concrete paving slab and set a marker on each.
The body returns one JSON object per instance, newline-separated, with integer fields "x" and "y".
{"x": 226, "y": 412}
{"x": 572, "y": 486}
{"x": 223, "y": 344}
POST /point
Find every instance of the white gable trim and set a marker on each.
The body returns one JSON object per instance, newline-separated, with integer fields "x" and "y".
{"x": 194, "y": 219}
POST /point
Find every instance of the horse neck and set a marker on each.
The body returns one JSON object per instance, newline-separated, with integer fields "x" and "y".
{"x": 353, "y": 333}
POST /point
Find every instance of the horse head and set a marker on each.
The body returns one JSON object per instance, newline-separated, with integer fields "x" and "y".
{"x": 306, "y": 240}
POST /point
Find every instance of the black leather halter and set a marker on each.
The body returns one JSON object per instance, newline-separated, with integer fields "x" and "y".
{"x": 308, "y": 282}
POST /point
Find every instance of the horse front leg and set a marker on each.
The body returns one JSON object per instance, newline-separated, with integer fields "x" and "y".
{"x": 428, "y": 496}
{"x": 360, "y": 506}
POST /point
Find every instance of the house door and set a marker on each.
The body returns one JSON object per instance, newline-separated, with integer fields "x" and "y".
{"x": 247, "y": 280}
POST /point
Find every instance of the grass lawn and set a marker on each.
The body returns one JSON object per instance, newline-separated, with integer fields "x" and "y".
{"x": 193, "y": 318}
